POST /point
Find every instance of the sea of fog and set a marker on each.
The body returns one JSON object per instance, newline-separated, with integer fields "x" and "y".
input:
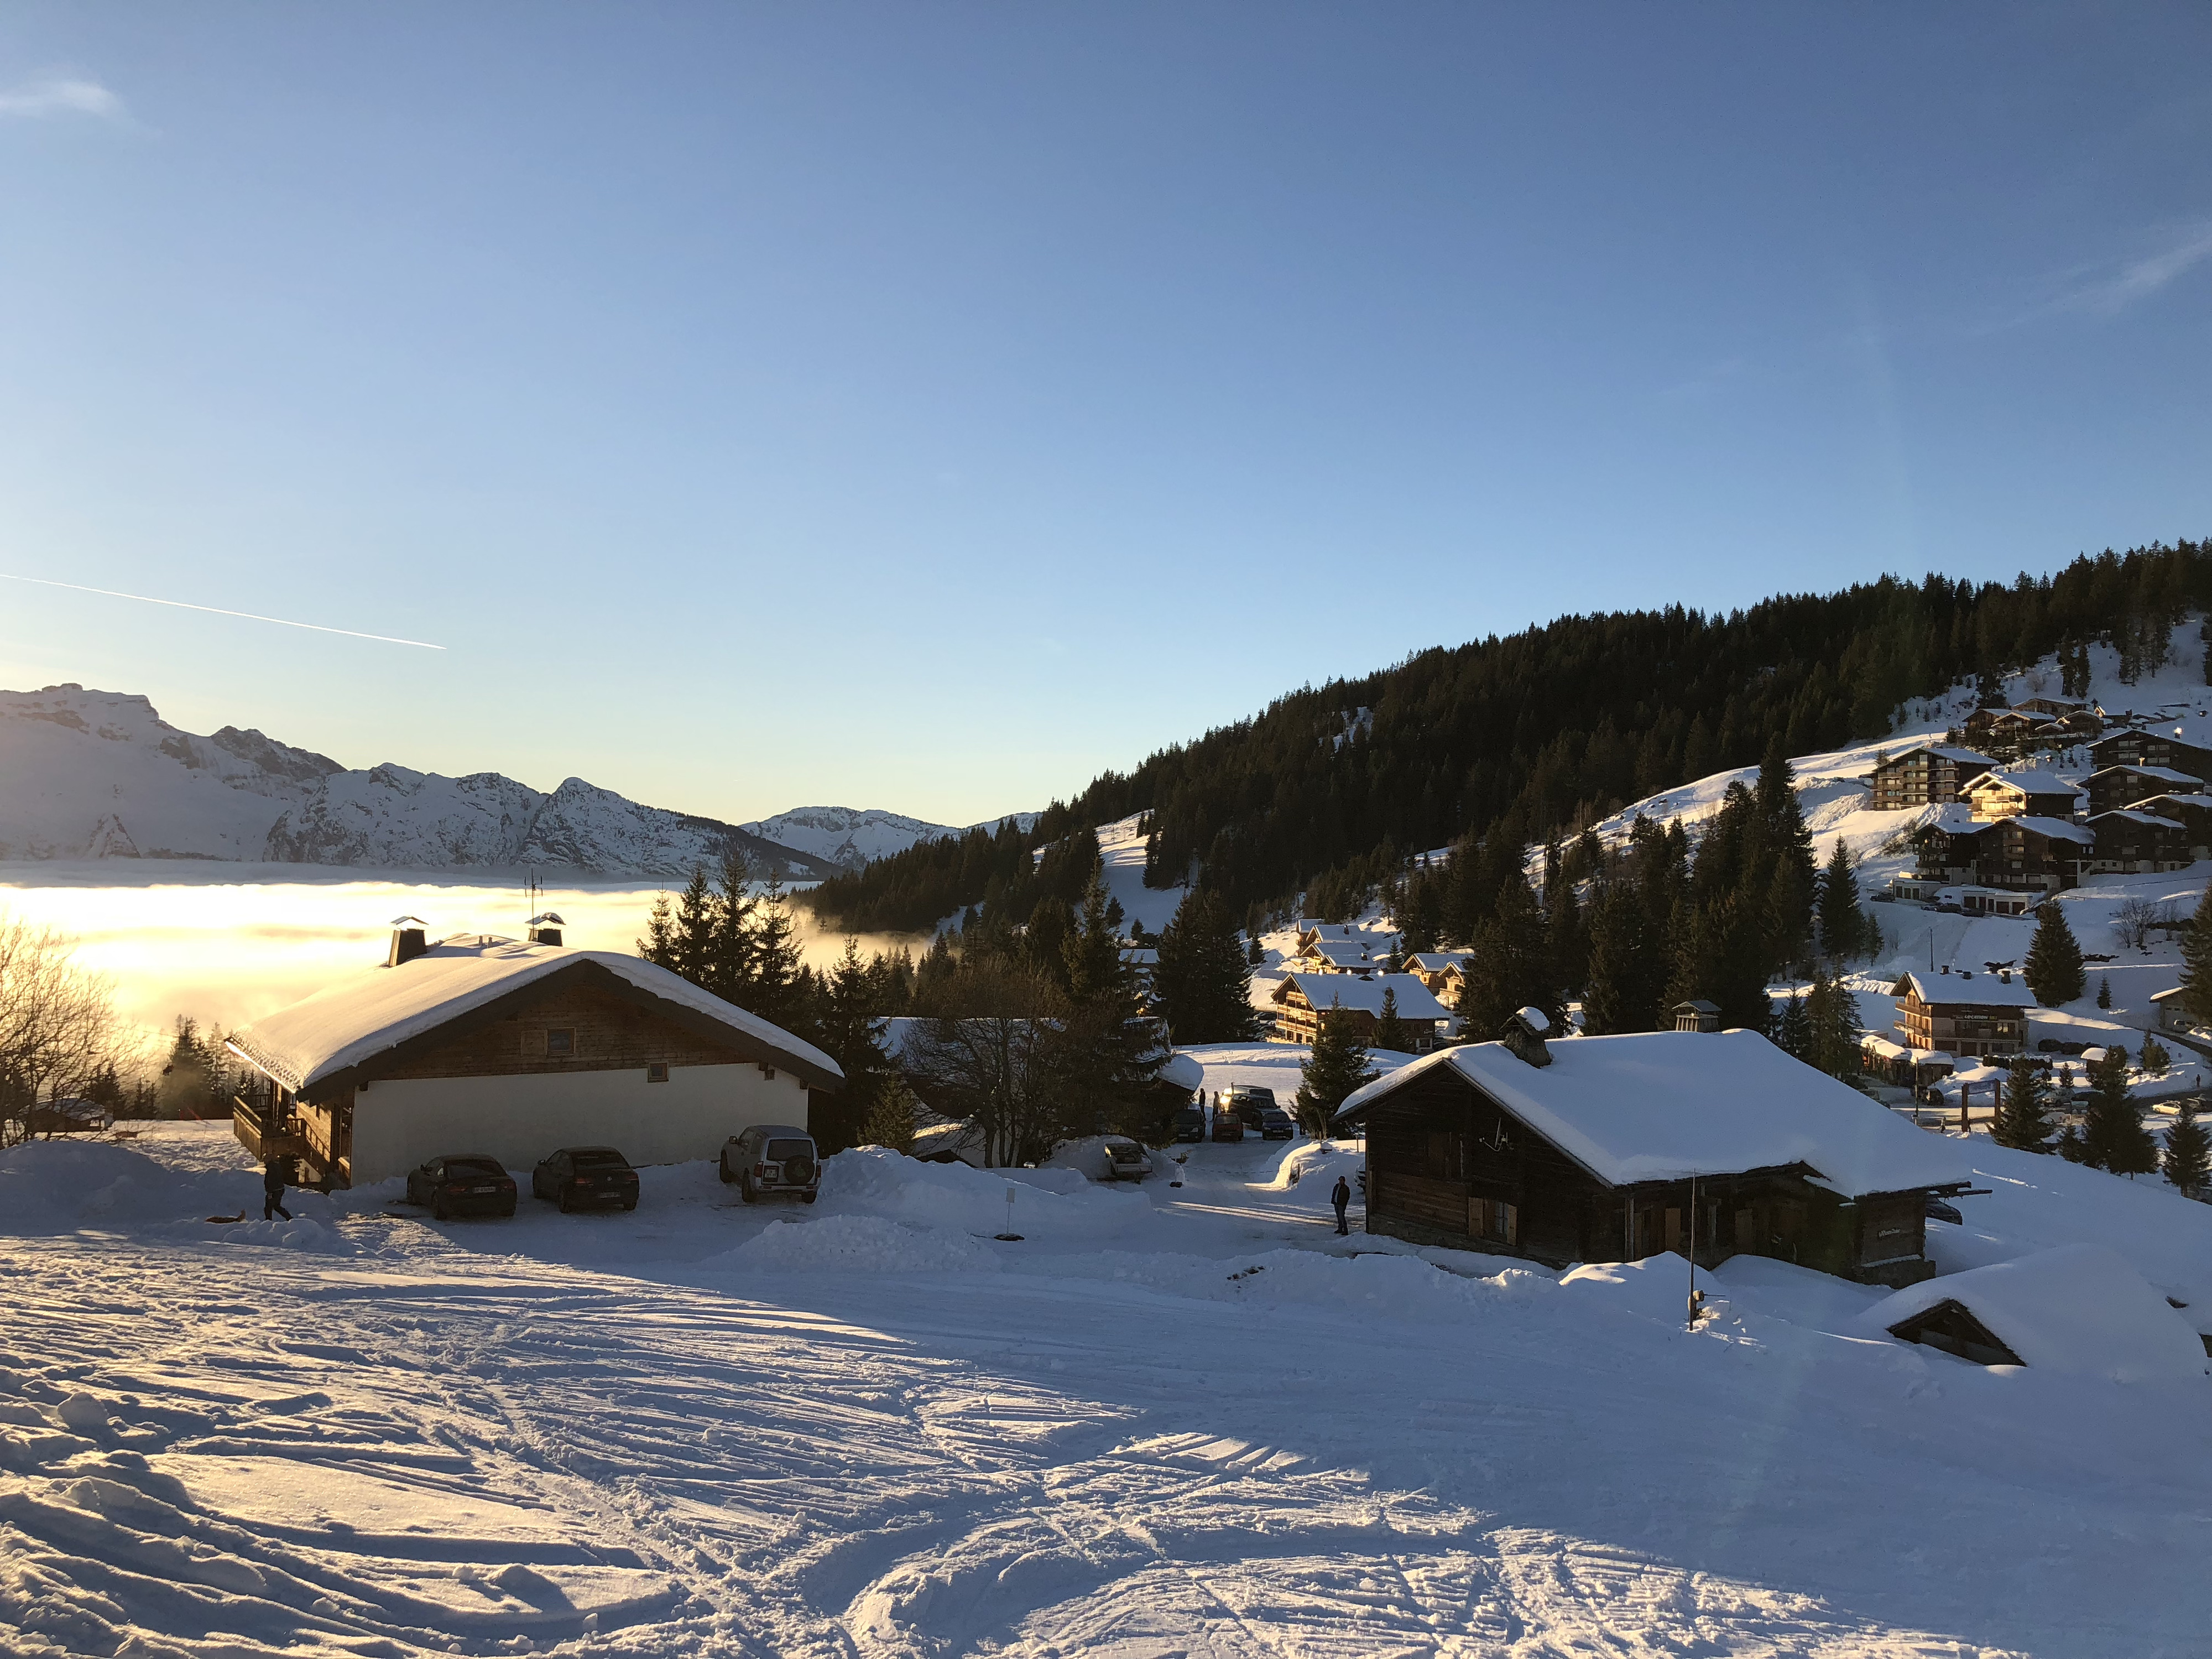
{"x": 226, "y": 943}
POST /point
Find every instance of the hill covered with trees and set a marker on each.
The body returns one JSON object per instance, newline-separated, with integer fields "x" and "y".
{"x": 1507, "y": 742}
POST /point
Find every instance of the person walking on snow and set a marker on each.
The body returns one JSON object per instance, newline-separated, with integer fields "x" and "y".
{"x": 1341, "y": 1195}
{"x": 273, "y": 1191}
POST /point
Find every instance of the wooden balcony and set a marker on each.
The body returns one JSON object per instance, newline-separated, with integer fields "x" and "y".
{"x": 254, "y": 1133}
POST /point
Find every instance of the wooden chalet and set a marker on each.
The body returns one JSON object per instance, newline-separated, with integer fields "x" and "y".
{"x": 2030, "y": 854}
{"x": 2159, "y": 746}
{"x": 2112, "y": 788}
{"x": 1615, "y": 1148}
{"x": 1930, "y": 774}
{"x": 487, "y": 1045}
{"x": 2131, "y": 842}
{"x": 1337, "y": 956}
{"x": 1443, "y": 971}
{"x": 2192, "y": 812}
{"x": 1997, "y": 795}
{"x": 1302, "y": 998}
{"x": 1968, "y": 1016}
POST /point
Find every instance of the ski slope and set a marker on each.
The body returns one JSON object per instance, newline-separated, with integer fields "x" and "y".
{"x": 1167, "y": 1421}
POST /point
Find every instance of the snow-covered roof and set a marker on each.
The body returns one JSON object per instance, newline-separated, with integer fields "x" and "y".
{"x": 1979, "y": 990}
{"x": 1324, "y": 991}
{"x": 2030, "y": 783}
{"x": 2049, "y": 828}
{"x": 2134, "y": 817}
{"x": 1184, "y": 1071}
{"x": 355, "y": 1021}
{"x": 1434, "y": 962}
{"x": 2080, "y": 1308}
{"x": 1942, "y": 751}
{"x": 1339, "y": 950}
{"x": 2163, "y": 774}
{"x": 1665, "y": 1105}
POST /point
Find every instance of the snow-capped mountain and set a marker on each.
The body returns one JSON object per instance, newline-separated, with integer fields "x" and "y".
{"x": 845, "y": 836}
{"x": 102, "y": 775}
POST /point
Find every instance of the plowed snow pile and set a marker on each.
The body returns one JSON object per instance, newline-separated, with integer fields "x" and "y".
{"x": 858, "y": 1243}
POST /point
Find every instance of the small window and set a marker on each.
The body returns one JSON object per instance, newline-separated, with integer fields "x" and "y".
{"x": 656, "y": 1070}
{"x": 560, "y": 1041}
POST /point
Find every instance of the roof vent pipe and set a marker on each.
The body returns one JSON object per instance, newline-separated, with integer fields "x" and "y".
{"x": 409, "y": 940}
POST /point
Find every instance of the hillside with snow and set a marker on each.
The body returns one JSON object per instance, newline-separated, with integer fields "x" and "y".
{"x": 100, "y": 774}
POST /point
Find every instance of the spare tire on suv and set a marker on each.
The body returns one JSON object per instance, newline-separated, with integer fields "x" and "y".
{"x": 771, "y": 1159}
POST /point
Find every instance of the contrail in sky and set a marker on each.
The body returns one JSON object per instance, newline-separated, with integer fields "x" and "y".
{"x": 217, "y": 611}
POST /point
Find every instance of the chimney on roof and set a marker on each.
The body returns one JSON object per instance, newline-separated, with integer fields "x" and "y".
{"x": 2004, "y": 975}
{"x": 409, "y": 940}
{"x": 1523, "y": 1036}
{"x": 546, "y": 929}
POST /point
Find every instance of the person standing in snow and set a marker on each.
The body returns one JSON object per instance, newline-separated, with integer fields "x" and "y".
{"x": 1341, "y": 1195}
{"x": 273, "y": 1191}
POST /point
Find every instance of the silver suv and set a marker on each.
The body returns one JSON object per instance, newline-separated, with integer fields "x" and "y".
{"x": 772, "y": 1157}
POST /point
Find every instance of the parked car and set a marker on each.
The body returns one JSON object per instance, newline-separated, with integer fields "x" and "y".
{"x": 577, "y": 1177}
{"x": 1252, "y": 1104}
{"x": 1190, "y": 1124}
{"x": 471, "y": 1184}
{"x": 772, "y": 1157}
{"x": 1227, "y": 1125}
{"x": 1275, "y": 1124}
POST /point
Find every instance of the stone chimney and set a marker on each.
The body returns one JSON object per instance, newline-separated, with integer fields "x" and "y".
{"x": 1523, "y": 1036}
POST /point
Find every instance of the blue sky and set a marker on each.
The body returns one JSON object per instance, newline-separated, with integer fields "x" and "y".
{"x": 927, "y": 406}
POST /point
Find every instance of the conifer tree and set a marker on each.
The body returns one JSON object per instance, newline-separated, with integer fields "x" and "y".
{"x": 1620, "y": 992}
{"x": 1255, "y": 952}
{"x": 849, "y": 1031}
{"x": 2156, "y": 1059}
{"x": 1843, "y": 931}
{"x": 1203, "y": 982}
{"x": 1566, "y": 941}
{"x": 2187, "y": 1161}
{"x": 1335, "y": 1067}
{"x": 2023, "y": 1116}
{"x": 2054, "y": 959}
{"x": 1512, "y": 967}
{"x": 1392, "y": 1034}
{"x": 1096, "y": 972}
{"x": 2113, "y": 1134}
{"x": 775, "y": 989}
{"x": 1832, "y": 1018}
{"x": 890, "y": 1121}
{"x": 2104, "y": 991}
{"x": 1793, "y": 1028}
{"x": 2196, "y": 960}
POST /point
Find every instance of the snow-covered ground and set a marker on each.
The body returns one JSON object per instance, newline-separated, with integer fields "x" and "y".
{"x": 1167, "y": 1421}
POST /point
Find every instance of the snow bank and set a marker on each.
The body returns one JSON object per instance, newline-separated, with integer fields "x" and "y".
{"x": 1384, "y": 1285}
{"x": 59, "y": 1186}
{"x": 1087, "y": 1157}
{"x": 873, "y": 1181}
{"x": 2078, "y": 1308}
{"x": 858, "y": 1244}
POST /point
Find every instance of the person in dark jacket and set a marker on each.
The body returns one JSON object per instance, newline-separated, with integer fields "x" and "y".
{"x": 1341, "y": 1195}
{"x": 272, "y": 1190}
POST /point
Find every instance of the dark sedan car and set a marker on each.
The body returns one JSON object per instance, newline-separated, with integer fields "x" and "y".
{"x": 471, "y": 1184}
{"x": 586, "y": 1177}
{"x": 1275, "y": 1124}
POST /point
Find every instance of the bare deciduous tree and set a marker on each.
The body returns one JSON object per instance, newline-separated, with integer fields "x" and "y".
{"x": 58, "y": 1024}
{"x": 2138, "y": 918}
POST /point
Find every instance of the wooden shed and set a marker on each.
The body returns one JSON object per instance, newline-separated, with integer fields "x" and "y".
{"x": 487, "y": 1045}
{"x": 1614, "y": 1148}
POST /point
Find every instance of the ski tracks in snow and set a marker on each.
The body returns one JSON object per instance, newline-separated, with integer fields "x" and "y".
{"x": 214, "y": 1451}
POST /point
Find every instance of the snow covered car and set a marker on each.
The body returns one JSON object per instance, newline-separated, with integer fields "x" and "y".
{"x": 772, "y": 1157}
{"x": 1124, "y": 1160}
{"x": 471, "y": 1184}
{"x": 1275, "y": 1124}
{"x": 581, "y": 1177}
